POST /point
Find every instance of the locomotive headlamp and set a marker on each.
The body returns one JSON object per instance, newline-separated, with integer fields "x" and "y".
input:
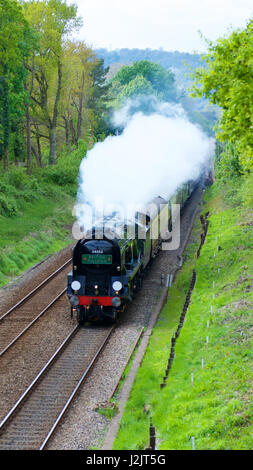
{"x": 117, "y": 285}
{"x": 116, "y": 302}
{"x": 75, "y": 285}
{"x": 74, "y": 300}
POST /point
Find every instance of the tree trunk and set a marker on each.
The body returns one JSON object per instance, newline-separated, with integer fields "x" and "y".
{"x": 28, "y": 123}
{"x": 5, "y": 158}
{"x": 66, "y": 127}
{"x": 6, "y": 118}
{"x": 67, "y": 133}
{"x": 37, "y": 155}
{"x": 73, "y": 133}
{"x": 52, "y": 129}
{"x": 16, "y": 151}
{"x": 80, "y": 110}
{"x": 39, "y": 151}
{"x": 28, "y": 140}
{"x": 52, "y": 138}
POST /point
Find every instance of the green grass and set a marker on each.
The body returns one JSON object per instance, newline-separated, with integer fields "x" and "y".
{"x": 27, "y": 238}
{"x": 36, "y": 213}
{"x": 216, "y": 409}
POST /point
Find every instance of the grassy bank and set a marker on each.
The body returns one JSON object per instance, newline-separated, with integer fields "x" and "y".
{"x": 36, "y": 213}
{"x": 216, "y": 408}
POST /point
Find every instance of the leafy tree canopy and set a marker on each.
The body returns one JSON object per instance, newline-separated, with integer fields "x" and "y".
{"x": 16, "y": 41}
{"x": 138, "y": 86}
{"x": 149, "y": 75}
{"x": 54, "y": 20}
{"x": 228, "y": 82}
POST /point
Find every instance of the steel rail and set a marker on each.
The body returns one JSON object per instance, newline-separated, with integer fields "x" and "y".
{"x": 32, "y": 323}
{"x": 30, "y": 294}
{"x": 37, "y": 378}
{"x": 71, "y": 397}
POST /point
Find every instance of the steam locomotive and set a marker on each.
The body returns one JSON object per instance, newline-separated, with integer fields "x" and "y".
{"x": 107, "y": 272}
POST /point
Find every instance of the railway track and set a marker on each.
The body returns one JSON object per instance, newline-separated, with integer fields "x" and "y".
{"x": 21, "y": 316}
{"x": 35, "y": 416}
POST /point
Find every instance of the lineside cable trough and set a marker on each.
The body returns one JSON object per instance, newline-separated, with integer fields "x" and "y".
{"x": 204, "y": 223}
{"x": 152, "y": 432}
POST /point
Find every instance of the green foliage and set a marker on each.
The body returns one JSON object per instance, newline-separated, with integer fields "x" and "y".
{"x": 108, "y": 411}
{"x": 247, "y": 191}
{"x": 216, "y": 408}
{"x": 8, "y": 205}
{"x": 146, "y": 77}
{"x": 138, "y": 86}
{"x": 227, "y": 163}
{"x": 59, "y": 20}
{"x": 99, "y": 99}
{"x": 200, "y": 113}
{"x": 47, "y": 83}
{"x": 228, "y": 82}
{"x": 20, "y": 180}
{"x": 236, "y": 186}
{"x": 17, "y": 188}
{"x": 142, "y": 85}
{"x": 35, "y": 211}
{"x": 45, "y": 67}
{"x": 146, "y": 83}
{"x": 16, "y": 42}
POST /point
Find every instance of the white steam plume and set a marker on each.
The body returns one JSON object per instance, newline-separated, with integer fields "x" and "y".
{"x": 154, "y": 155}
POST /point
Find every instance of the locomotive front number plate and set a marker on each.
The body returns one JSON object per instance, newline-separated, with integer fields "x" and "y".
{"x": 97, "y": 259}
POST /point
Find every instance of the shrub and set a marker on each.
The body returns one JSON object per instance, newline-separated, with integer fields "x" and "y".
{"x": 8, "y": 205}
{"x": 18, "y": 178}
{"x": 247, "y": 191}
{"x": 236, "y": 186}
{"x": 227, "y": 164}
{"x": 65, "y": 172}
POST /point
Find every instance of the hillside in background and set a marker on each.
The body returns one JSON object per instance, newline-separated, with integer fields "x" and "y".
{"x": 176, "y": 60}
{"x": 182, "y": 64}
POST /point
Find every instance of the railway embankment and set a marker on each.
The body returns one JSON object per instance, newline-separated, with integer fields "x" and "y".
{"x": 36, "y": 213}
{"x": 195, "y": 381}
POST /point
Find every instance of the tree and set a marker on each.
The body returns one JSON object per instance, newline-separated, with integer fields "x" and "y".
{"x": 99, "y": 96}
{"x": 143, "y": 85}
{"x": 228, "y": 82}
{"x": 161, "y": 80}
{"x": 54, "y": 20}
{"x": 15, "y": 47}
{"x": 77, "y": 88}
{"x": 137, "y": 87}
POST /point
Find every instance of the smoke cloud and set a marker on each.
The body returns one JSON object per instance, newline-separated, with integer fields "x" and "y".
{"x": 153, "y": 156}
